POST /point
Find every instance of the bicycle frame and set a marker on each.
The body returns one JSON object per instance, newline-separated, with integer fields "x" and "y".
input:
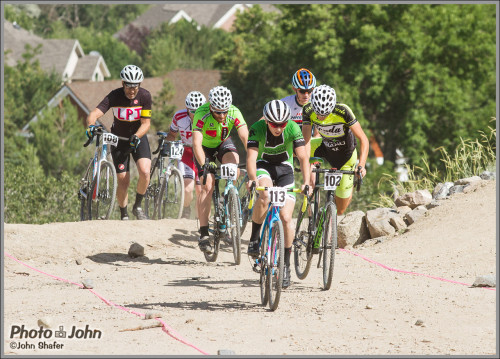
{"x": 273, "y": 215}
{"x": 222, "y": 216}
{"x": 99, "y": 156}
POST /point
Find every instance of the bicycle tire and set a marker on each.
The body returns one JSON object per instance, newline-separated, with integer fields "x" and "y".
{"x": 245, "y": 212}
{"x": 264, "y": 288}
{"x": 234, "y": 220}
{"x": 302, "y": 244}
{"x": 329, "y": 244}
{"x": 85, "y": 188}
{"x": 102, "y": 206}
{"x": 276, "y": 261}
{"x": 171, "y": 200}
{"x": 151, "y": 197}
{"x": 212, "y": 257}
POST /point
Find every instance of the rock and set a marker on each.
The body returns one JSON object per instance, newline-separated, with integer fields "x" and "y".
{"x": 467, "y": 181}
{"x": 489, "y": 280}
{"x": 398, "y": 223}
{"x": 403, "y": 210}
{"x": 433, "y": 204}
{"x": 414, "y": 199}
{"x": 78, "y": 261}
{"x": 419, "y": 322}
{"x": 487, "y": 175}
{"x": 415, "y": 215}
{"x": 474, "y": 186}
{"x": 352, "y": 229}
{"x": 456, "y": 189}
{"x": 381, "y": 228}
{"x": 441, "y": 190}
{"x": 136, "y": 250}
{"x": 152, "y": 315}
{"x": 45, "y": 322}
{"x": 88, "y": 283}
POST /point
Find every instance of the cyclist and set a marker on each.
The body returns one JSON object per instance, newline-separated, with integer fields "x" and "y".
{"x": 303, "y": 83}
{"x": 182, "y": 123}
{"x": 338, "y": 129}
{"x": 271, "y": 145}
{"x": 131, "y": 105}
{"x": 213, "y": 123}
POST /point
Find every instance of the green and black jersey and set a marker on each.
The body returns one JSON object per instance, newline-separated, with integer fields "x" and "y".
{"x": 275, "y": 149}
{"x": 335, "y": 129}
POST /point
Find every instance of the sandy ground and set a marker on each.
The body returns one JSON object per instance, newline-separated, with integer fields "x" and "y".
{"x": 208, "y": 307}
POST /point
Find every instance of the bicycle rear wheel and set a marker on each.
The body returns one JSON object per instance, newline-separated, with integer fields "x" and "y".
{"x": 171, "y": 200}
{"x": 102, "y": 195}
{"x": 151, "y": 197}
{"x": 264, "y": 288}
{"x": 302, "y": 244}
{"x": 234, "y": 220}
{"x": 83, "y": 192}
{"x": 329, "y": 243}
{"x": 212, "y": 257}
{"x": 245, "y": 212}
{"x": 276, "y": 264}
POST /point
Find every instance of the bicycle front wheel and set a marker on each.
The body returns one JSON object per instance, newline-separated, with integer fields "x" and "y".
{"x": 151, "y": 197}
{"x": 276, "y": 264}
{"x": 329, "y": 244}
{"x": 234, "y": 220}
{"x": 245, "y": 212}
{"x": 102, "y": 195}
{"x": 264, "y": 288}
{"x": 83, "y": 193}
{"x": 171, "y": 200}
{"x": 302, "y": 244}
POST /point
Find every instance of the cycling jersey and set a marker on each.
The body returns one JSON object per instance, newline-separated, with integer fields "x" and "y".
{"x": 182, "y": 124}
{"x": 127, "y": 113}
{"x": 335, "y": 131}
{"x": 214, "y": 133}
{"x": 275, "y": 149}
{"x": 295, "y": 109}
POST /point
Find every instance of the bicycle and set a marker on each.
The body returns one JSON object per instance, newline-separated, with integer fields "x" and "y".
{"x": 97, "y": 193}
{"x": 316, "y": 228}
{"x": 246, "y": 209}
{"x": 270, "y": 263}
{"x": 166, "y": 185}
{"x": 227, "y": 211}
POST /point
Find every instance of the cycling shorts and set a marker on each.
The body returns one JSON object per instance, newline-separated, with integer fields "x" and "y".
{"x": 187, "y": 166}
{"x": 281, "y": 175}
{"x": 217, "y": 152}
{"x": 122, "y": 163}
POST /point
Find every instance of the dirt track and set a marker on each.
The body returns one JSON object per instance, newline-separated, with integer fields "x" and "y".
{"x": 368, "y": 311}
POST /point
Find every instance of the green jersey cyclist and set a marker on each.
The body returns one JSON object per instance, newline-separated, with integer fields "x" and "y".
{"x": 213, "y": 123}
{"x": 338, "y": 129}
{"x": 271, "y": 145}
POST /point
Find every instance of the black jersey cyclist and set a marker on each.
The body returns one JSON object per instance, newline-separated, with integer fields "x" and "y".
{"x": 339, "y": 129}
{"x": 271, "y": 145}
{"x": 131, "y": 106}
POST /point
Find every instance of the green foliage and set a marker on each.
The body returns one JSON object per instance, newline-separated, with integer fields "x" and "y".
{"x": 182, "y": 45}
{"x": 15, "y": 14}
{"x": 32, "y": 197}
{"x": 164, "y": 109}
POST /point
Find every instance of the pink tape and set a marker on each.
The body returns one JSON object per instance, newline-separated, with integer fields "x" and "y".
{"x": 166, "y": 328}
{"x": 407, "y": 272}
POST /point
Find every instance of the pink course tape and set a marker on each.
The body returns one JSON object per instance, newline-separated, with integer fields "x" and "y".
{"x": 407, "y": 272}
{"x": 166, "y": 328}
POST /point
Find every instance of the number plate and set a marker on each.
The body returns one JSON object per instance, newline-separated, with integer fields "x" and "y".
{"x": 176, "y": 150}
{"x": 332, "y": 180}
{"x": 278, "y": 196}
{"x": 109, "y": 139}
{"x": 229, "y": 171}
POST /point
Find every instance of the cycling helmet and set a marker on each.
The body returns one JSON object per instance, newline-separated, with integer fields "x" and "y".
{"x": 220, "y": 98}
{"x": 323, "y": 100}
{"x": 132, "y": 74}
{"x": 195, "y": 99}
{"x": 303, "y": 79}
{"x": 276, "y": 111}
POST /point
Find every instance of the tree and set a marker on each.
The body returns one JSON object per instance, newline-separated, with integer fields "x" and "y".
{"x": 164, "y": 109}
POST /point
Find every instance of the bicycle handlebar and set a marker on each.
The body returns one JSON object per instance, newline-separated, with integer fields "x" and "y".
{"x": 99, "y": 130}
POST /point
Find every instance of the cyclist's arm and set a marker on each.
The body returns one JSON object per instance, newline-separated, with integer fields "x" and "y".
{"x": 357, "y": 130}
{"x": 252, "y": 163}
{"x": 243, "y": 134}
{"x": 197, "y": 149}
{"x": 93, "y": 116}
{"x": 144, "y": 128}
{"x": 303, "y": 157}
{"x": 306, "y": 132}
{"x": 171, "y": 135}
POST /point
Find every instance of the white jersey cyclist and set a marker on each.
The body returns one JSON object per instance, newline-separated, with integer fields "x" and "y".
{"x": 295, "y": 109}
{"x": 182, "y": 124}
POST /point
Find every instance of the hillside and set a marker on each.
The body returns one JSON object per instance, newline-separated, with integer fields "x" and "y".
{"x": 369, "y": 310}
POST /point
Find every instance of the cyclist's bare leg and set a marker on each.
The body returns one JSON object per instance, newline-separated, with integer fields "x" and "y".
{"x": 286, "y": 218}
{"x": 230, "y": 157}
{"x": 204, "y": 200}
{"x": 143, "y": 167}
{"x": 123, "y": 180}
{"x": 342, "y": 204}
{"x": 260, "y": 206}
{"x": 188, "y": 191}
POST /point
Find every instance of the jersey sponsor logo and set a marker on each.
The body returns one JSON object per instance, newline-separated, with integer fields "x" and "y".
{"x": 211, "y": 133}
{"x": 136, "y": 102}
{"x": 186, "y": 134}
{"x": 332, "y": 144}
{"x": 200, "y": 124}
{"x": 224, "y": 133}
{"x": 127, "y": 113}
{"x": 236, "y": 122}
{"x": 333, "y": 130}
{"x": 121, "y": 166}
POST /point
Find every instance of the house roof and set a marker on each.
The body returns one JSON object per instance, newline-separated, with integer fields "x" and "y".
{"x": 88, "y": 65}
{"x": 89, "y": 94}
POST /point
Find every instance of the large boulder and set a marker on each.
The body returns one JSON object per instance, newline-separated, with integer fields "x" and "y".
{"x": 352, "y": 230}
{"x": 414, "y": 199}
{"x": 377, "y": 221}
{"x": 441, "y": 190}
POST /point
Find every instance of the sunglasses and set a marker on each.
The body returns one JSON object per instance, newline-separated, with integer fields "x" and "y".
{"x": 219, "y": 112}
{"x": 305, "y": 91}
{"x": 277, "y": 125}
{"x": 129, "y": 85}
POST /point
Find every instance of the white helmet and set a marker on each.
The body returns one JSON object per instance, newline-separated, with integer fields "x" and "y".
{"x": 220, "y": 98}
{"x": 195, "y": 99}
{"x": 276, "y": 111}
{"x": 323, "y": 100}
{"x": 132, "y": 74}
